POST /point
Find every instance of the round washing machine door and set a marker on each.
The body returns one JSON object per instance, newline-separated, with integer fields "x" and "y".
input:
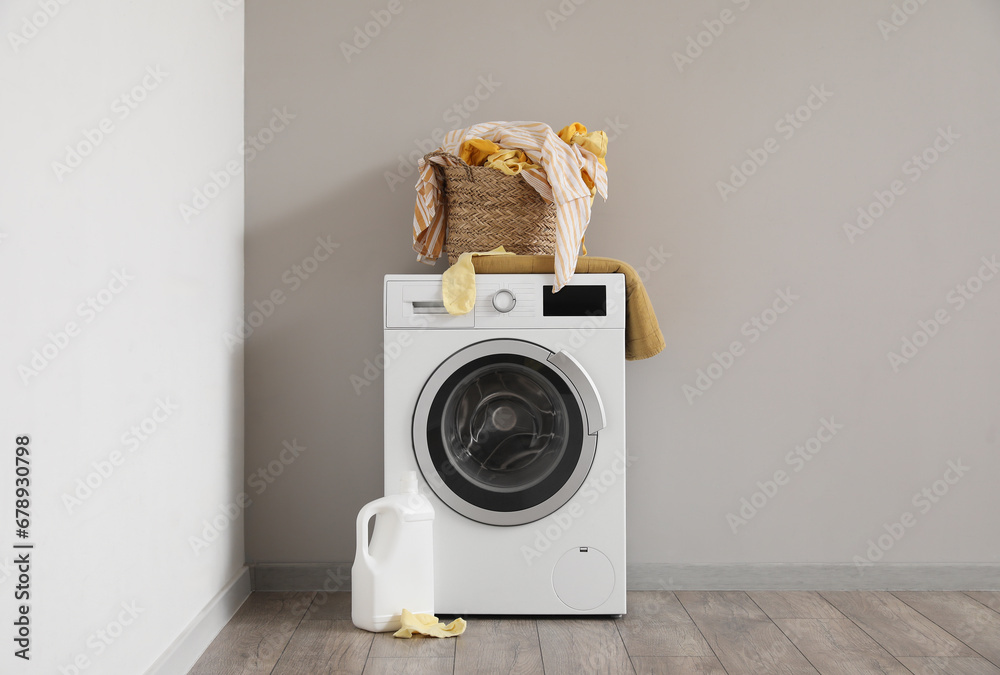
{"x": 505, "y": 431}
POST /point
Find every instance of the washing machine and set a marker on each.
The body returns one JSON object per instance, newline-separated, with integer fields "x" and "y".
{"x": 513, "y": 415}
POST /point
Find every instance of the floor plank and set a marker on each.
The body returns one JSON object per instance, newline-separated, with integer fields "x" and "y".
{"x": 325, "y": 648}
{"x": 677, "y": 665}
{"x": 989, "y": 598}
{"x": 663, "y": 605}
{"x": 254, "y": 638}
{"x": 420, "y": 646}
{"x": 499, "y": 646}
{"x": 899, "y": 628}
{"x": 720, "y": 605}
{"x": 658, "y": 625}
{"x": 643, "y": 637}
{"x": 573, "y": 646}
{"x": 329, "y": 607}
{"x": 409, "y": 666}
{"x": 948, "y": 665}
{"x": 794, "y": 605}
{"x": 690, "y": 632}
{"x": 744, "y": 640}
{"x": 838, "y": 645}
{"x": 962, "y": 616}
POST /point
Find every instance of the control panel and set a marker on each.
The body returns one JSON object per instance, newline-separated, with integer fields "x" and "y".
{"x": 509, "y": 301}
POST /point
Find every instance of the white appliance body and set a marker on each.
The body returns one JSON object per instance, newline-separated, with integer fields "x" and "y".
{"x": 513, "y": 415}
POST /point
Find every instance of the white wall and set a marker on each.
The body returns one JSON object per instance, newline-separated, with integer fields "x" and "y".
{"x": 152, "y": 355}
{"x": 675, "y": 133}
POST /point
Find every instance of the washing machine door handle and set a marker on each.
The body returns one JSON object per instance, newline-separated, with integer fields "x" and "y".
{"x": 593, "y": 406}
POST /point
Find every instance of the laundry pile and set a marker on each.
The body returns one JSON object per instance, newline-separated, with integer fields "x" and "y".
{"x": 511, "y": 161}
{"x": 567, "y": 169}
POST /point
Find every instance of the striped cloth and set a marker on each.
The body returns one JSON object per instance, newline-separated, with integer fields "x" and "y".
{"x": 558, "y": 180}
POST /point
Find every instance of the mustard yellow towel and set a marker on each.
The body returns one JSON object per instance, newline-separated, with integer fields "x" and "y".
{"x": 458, "y": 283}
{"x": 643, "y": 337}
{"x": 428, "y": 624}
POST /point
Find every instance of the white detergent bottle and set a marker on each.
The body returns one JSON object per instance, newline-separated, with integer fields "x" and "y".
{"x": 396, "y": 569}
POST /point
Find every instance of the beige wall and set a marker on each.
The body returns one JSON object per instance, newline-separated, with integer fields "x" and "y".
{"x": 675, "y": 132}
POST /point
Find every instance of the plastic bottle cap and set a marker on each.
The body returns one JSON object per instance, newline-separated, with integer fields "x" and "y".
{"x": 408, "y": 483}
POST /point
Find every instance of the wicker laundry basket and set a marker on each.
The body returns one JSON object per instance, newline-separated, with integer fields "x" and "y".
{"x": 486, "y": 208}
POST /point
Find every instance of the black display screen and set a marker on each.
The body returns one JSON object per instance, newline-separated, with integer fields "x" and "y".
{"x": 576, "y": 300}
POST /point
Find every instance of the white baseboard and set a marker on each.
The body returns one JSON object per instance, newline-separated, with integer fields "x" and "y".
{"x": 707, "y": 576}
{"x": 184, "y": 652}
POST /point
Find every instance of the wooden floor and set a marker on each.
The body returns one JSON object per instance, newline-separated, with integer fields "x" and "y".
{"x": 925, "y": 633}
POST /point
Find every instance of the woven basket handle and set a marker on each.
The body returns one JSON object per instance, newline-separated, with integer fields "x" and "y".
{"x": 443, "y": 153}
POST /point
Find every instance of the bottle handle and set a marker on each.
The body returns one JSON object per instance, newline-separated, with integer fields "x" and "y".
{"x": 367, "y": 511}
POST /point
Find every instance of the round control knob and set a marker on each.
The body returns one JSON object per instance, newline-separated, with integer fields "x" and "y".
{"x": 504, "y": 301}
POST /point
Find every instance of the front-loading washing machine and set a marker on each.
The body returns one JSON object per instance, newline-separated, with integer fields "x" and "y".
{"x": 514, "y": 417}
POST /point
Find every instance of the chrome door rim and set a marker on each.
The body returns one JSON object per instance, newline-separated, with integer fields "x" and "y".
{"x": 421, "y": 415}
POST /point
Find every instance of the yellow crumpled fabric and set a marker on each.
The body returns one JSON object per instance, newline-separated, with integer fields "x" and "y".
{"x": 483, "y": 152}
{"x": 428, "y": 624}
{"x": 475, "y": 151}
{"x": 511, "y": 162}
{"x": 458, "y": 283}
{"x": 596, "y": 142}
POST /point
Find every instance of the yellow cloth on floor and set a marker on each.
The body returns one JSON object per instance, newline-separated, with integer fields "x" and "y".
{"x": 643, "y": 337}
{"x": 428, "y": 624}
{"x": 458, "y": 283}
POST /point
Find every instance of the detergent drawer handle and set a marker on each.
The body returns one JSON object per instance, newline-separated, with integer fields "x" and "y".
{"x": 593, "y": 406}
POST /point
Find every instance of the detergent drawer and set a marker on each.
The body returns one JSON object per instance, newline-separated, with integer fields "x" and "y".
{"x": 418, "y": 304}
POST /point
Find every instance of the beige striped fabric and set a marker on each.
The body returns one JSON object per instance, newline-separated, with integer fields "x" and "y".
{"x": 557, "y": 181}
